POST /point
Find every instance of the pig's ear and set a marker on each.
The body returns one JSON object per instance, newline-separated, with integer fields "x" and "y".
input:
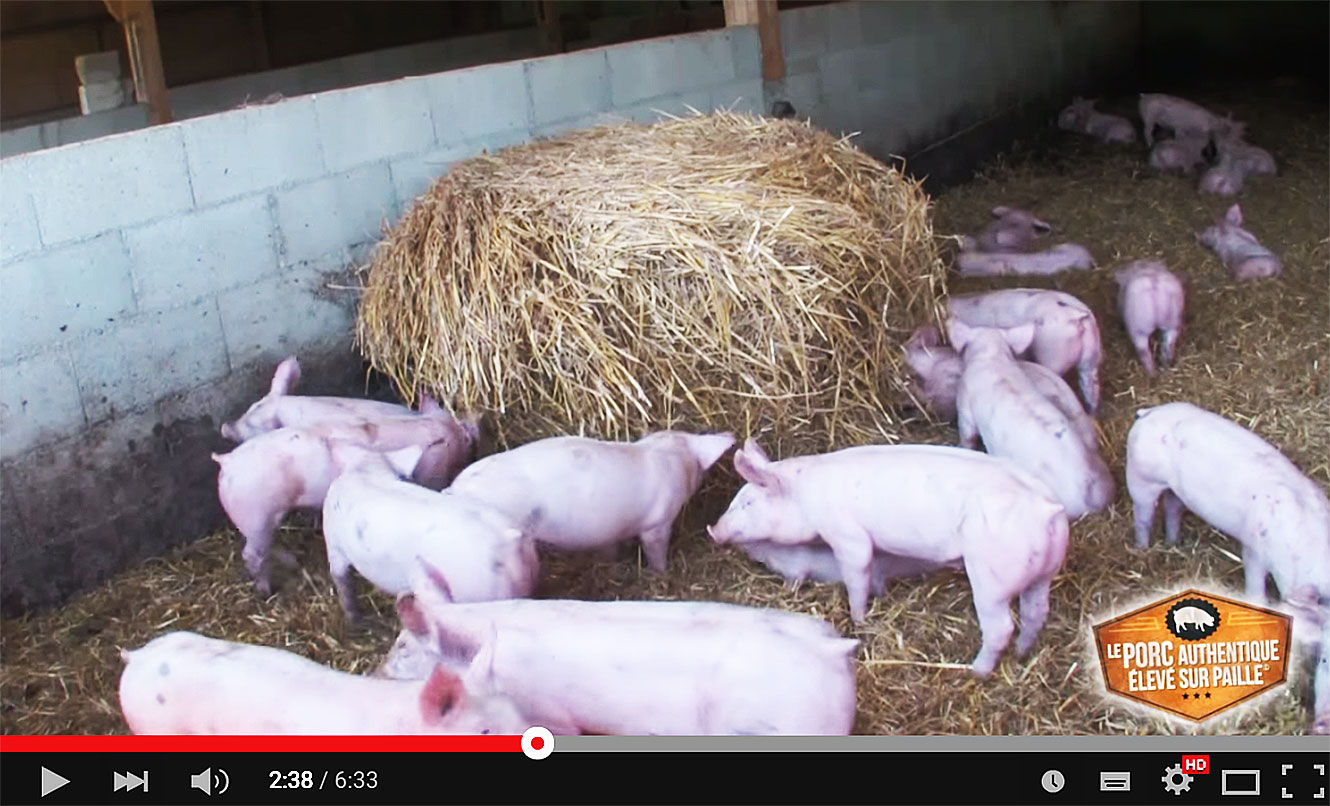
{"x": 755, "y": 468}
{"x": 436, "y": 579}
{"x": 413, "y": 618}
{"x": 1234, "y": 216}
{"x": 480, "y": 674}
{"x": 443, "y": 692}
{"x": 1041, "y": 225}
{"x": 1019, "y": 338}
{"x": 285, "y": 378}
{"x": 427, "y": 404}
{"x": 999, "y": 212}
{"x": 959, "y": 334}
{"x": 708, "y": 448}
{"x": 404, "y": 461}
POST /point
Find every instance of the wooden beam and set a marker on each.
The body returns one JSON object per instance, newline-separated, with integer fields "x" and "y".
{"x": 258, "y": 37}
{"x": 145, "y": 55}
{"x": 547, "y": 17}
{"x": 765, "y": 15}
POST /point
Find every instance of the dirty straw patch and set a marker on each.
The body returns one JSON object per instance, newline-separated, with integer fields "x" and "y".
{"x": 1255, "y": 352}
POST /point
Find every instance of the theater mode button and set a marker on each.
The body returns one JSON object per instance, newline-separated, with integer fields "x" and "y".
{"x": 51, "y": 781}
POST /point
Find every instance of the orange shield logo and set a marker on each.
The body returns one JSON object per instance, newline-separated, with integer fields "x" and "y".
{"x": 1194, "y": 654}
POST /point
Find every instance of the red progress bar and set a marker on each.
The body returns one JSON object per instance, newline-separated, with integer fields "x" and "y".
{"x": 261, "y": 744}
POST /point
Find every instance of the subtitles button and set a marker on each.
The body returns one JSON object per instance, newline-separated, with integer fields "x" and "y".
{"x": 1114, "y": 782}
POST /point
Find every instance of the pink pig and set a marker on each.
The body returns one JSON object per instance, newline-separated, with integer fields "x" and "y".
{"x": 1150, "y": 298}
{"x": 1321, "y": 684}
{"x": 938, "y": 369}
{"x": 1224, "y": 178}
{"x": 1241, "y": 253}
{"x": 291, "y": 468}
{"x": 1056, "y": 259}
{"x": 799, "y": 563}
{"x": 1252, "y": 160}
{"x": 1013, "y": 230}
{"x": 1184, "y": 154}
{"x": 380, "y": 525}
{"x": 578, "y": 493}
{"x": 996, "y": 401}
{"x": 640, "y": 668}
{"x": 1240, "y": 485}
{"x": 1082, "y": 117}
{"x": 1066, "y": 333}
{"x": 925, "y": 502}
{"x": 1178, "y": 114}
{"x": 281, "y": 409}
{"x": 185, "y": 683}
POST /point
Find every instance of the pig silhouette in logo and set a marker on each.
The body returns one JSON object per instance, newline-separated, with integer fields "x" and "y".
{"x": 1191, "y": 618}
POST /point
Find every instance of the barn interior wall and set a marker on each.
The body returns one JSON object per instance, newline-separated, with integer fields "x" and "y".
{"x": 946, "y": 84}
{"x": 154, "y": 278}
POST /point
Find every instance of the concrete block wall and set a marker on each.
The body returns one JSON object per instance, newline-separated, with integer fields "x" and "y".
{"x": 153, "y": 279}
{"x": 209, "y": 97}
{"x": 911, "y": 74}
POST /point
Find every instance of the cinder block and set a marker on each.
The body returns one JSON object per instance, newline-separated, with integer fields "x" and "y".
{"x": 648, "y": 69}
{"x": 739, "y": 96}
{"x": 746, "y": 52}
{"x": 181, "y": 259}
{"x": 288, "y": 314}
{"x": 468, "y": 104}
{"x": 101, "y": 97}
{"x": 365, "y": 124}
{"x": 677, "y": 105}
{"x": 18, "y": 222}
{"x": 39, "y": 402}
{"x": 323, "y": 218}
{"x": 87, "y": 127}
{"x": 568, "y": 86}
{"x": 844, "y": 25}
{"x": 20, "y": 141}
{"x": 95, "y": 68}
{"x": 252, "y": 149}
{"x": 803, "y": 32}
{"x": 803, "y": 91}
{"x": 63, "y": 292}
{"x": 133, "y": 365}
{"x": 105, "y": 184}
{"x": 413, "y": 175}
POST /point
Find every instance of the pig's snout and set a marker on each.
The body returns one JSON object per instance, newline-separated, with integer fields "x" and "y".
{"x": 229, "y": 432}
{"x": 716, "y": 534}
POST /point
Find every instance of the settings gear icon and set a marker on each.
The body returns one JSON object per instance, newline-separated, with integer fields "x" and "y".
{"x": 1175, "y": 780}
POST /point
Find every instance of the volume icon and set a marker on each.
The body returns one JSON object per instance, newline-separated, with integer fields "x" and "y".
{"x": 129, "y": 782}
{"x": 208, "y": 780}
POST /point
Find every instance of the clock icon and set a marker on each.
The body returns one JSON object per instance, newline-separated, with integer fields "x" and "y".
{"x": 1053, "y": 781}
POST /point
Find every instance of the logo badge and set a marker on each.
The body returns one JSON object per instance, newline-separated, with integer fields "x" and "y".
{"x": 1194, "y": 654}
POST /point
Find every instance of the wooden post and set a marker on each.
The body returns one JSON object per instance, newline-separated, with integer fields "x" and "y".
{"x": 547, "y": 16}
{"x": 145, "y": 55}
{"x": 765, "y": 15}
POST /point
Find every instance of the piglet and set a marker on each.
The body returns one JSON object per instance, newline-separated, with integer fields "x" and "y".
{"x": 1225, "y": 178}
{"x": 1184, "y": 154}
{"x": 266, "y": 477}
{"x": 640, "y": 668}
{"x": 281, "y": 409}
{"x": 1066, "y": 333}
{"x": 1012, "y": 230}
{"x": 1150, "y": 298}
{"x": 937, "y": 373}
{"x": 578, "y": 493}
{"x": 1240, "y": 485}
{"x": 1251, "y": 160}
{"x": 1241, "y": 253}
{"x": 926, "y": 502}
{"x": 380, "y": 525}
{"x": 995, "y": 401}
{"x": 1178, "y": 114}
{"x": 1057, "y": 259}
{"x": 1082, "y": 117}
{"x": 799, "y": 563}
{"x": 1321, "y": 684}
{"x": 185, "y": 683}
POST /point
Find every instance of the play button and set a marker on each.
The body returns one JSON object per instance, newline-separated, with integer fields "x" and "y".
{"x": 51, "y": 781}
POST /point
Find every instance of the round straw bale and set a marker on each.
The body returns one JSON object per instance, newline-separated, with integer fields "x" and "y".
{"x": 717, "y": 271}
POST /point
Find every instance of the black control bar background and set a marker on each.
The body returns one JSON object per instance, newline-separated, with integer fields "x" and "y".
{"x": 651, "y": 778}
